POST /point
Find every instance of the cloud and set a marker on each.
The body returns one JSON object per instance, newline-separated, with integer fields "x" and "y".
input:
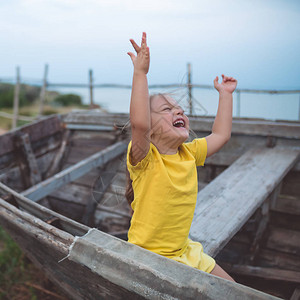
{"x": 211, "y": 35}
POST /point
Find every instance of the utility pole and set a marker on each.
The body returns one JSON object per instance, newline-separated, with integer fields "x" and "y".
{"x": 16, "y": 100}
{"x": 190, "y": 88}
{"x": 91, "y": 88}
{"x": 43, "y": 91}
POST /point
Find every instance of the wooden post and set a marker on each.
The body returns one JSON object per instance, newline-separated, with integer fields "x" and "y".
{"x": 299, "y": 109}
{"x": 16, "y": 100}
{"x": 238, "y": 103}
{"x": 91, "y": 88}
{"x": 43, "y": 91}
{"x": 190, "y": 88}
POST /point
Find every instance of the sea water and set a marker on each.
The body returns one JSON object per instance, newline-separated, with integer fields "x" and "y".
{"x": 205, "y": 102}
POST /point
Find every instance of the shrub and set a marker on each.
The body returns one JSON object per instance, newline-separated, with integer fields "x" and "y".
{"x": 49, "y": 111}
{"x": 28, "y": 94}
{"x": 7, "y": 96}
{"x": 31, "y": 93}
{"x": 68, "y": 100}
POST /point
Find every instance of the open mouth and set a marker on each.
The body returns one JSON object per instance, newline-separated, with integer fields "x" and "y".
{"x": 179, "y": 123}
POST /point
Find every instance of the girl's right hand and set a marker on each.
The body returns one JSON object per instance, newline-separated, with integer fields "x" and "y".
{"x": 141, "y": 61}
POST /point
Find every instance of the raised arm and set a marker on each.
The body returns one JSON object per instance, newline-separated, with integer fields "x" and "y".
{"x": 139, "y": 104}
{"x": 221, "y": 130}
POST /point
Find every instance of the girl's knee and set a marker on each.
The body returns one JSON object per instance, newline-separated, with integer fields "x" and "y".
{"x": 218, "y": 271}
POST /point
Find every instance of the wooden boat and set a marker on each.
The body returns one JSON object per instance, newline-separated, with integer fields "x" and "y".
{"x": 62, "y": 183}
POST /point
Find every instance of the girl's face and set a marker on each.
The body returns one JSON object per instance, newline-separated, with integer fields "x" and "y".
{"x": 169, "y": 124}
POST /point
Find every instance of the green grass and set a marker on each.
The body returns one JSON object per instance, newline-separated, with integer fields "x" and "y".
{"x": 12, "y": 268}
{"x": 19, "y": 278}
{"x": 32, "y": 111}
{"x": 54, "y": 103}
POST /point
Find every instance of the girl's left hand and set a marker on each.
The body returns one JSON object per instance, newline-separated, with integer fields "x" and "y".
{"x": 142, "y": 59}
{"x": 228, "y": 84}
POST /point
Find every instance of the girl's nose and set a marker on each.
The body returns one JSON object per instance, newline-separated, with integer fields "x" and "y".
{"x": 179, "y": 111}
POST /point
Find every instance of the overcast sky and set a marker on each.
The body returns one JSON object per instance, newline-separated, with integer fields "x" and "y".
{"x": 258, "y": 42}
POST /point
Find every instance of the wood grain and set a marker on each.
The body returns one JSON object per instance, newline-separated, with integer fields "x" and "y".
{"x": 225, "y": 204}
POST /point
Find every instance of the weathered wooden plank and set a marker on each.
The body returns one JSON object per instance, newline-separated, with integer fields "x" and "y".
{"x": 74, "y": 194}
{"x": 80, "y": 138}
{"x": 252, "y": 127}
{"x": 46, "y": 144}
{"x": 261, "y": 228}
{"x": 117, "y": 189}
{"x": 98, "y": 190}
{"x": 46, "y": 252}
{"x": 89, "y": 178}
{"x": 284, "y": 240}
{"x": 284, "y": 220}
{"x": 288, "y": 204}
{"x": 226, "y": 203}
{"x": 68, "y": 209}
{"x": 89, "y": 127}
{"x": 81, "y": 146}
{"x": 126, "y": 272}
{"x": 60, "y": 236}
{"x": 44, "y": 213}
{"x": 50, "y": 245}
{"x": 12, "y": 179}
{"x": 265, "y": 273}
{"x": 239, "y": 126}
{"x": 33, "y": 170}
{"x": 75, "y": 210}
{"x": 36, "y": 131}
{"x": 95, "y": 118}
{"x": 56, "y": 163}
{"x": 97, "y": 141}
{"x": 296, "y": 294}
{"x": 11, "y": 176}
{"x": 114, "y": 200}
{"x": 114, "y": 212}
{"x": 39, "y": 147}
{"x": 290, "y": 184}
{"x": 275, "y": 259}
{"x": 77, "y": 154}
{"x": 240, "y": 144}
{"x": 140, "y": 271}
{"x": 99, "y": 159}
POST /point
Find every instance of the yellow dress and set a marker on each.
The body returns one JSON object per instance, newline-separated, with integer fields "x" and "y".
{"x": 165, "y": 193}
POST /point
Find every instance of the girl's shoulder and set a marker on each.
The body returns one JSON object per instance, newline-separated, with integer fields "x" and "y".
{"x": 198, "y": 148}
{"x": 152, "y": 152}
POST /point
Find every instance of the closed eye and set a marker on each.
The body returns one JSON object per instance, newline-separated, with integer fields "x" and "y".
{"x": 166, "y": 109}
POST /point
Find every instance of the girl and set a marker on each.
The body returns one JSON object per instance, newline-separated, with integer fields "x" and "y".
{"x": 162, "y": 167}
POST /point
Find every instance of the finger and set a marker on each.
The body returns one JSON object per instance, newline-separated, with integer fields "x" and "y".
{"x": 144, "y": 41}
{"x": 135, "y": 46}
{"x": 132, "y": 56}
{"x": 144, "y": 38}
{"x": 226, "y": 78}
{"x": 231, "y": 79}
{"x": 216, "y": 81}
